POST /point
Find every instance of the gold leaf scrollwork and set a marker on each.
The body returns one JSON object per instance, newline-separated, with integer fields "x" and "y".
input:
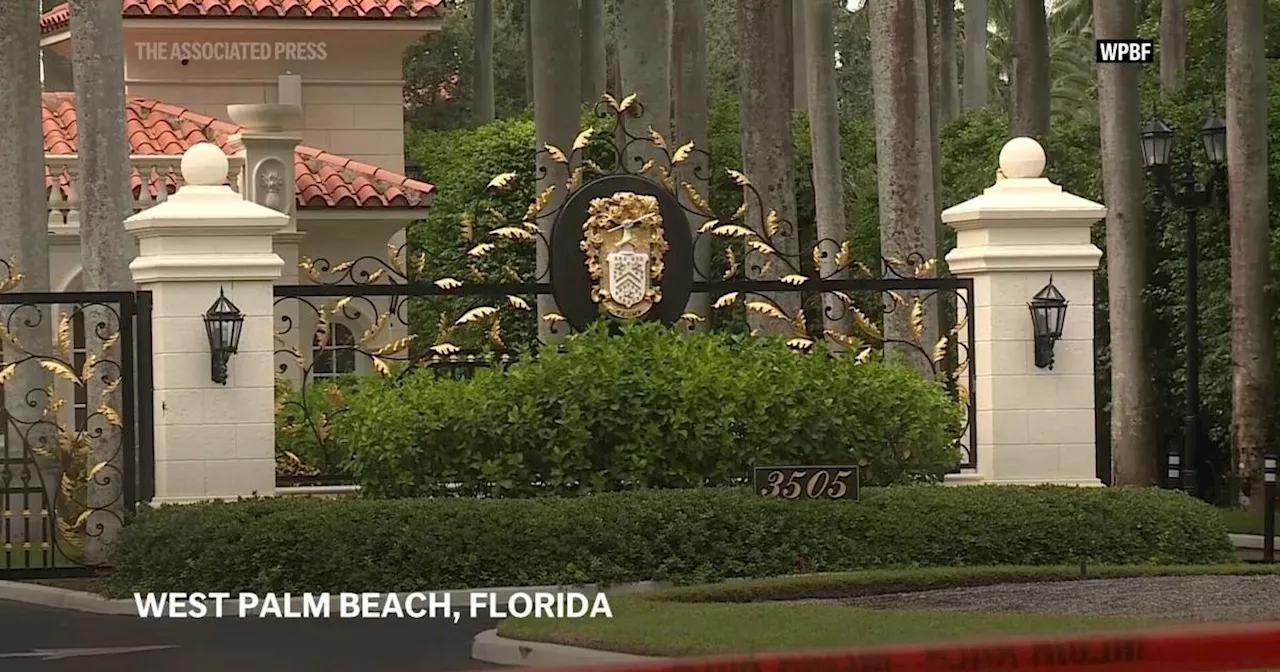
{"x": 556, "y": 154}
{"x": 767, "y": 309}
{"x": 512, "y": 233}
{"x": 917, "y": 318}
{"x": 940, "y": 349}
{"x": 60, "y": 370}
{"x": 725, "y": 301}
{"x": 475, "y": 315}
{"x": 501, "y": 181}
{"x": 682, "y": 154}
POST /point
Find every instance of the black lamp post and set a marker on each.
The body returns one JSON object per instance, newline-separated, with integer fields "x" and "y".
{"x": 222, "y": 323}
{"x": 1186, "y": 194}
{"x": 1048, "y": 314}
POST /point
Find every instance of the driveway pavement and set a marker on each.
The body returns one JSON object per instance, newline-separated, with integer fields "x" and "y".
{"x": 44, "y": 639}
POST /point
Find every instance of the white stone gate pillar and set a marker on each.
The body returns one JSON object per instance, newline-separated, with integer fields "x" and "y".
{"x": 212, "y": 441}
{"x": 1035, "y": 425}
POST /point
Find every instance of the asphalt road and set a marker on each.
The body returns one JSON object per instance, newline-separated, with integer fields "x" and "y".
{"x": 43, "y": 639}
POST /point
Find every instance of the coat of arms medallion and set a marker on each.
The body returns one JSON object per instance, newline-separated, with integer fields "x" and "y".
{"x": 625, "y": 248}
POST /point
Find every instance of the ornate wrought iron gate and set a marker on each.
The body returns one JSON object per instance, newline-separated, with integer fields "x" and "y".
{"x": 524, "y": 285}
{"x": 76, "y": 426}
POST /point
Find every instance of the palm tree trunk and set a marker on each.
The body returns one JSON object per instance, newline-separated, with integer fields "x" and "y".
{"x": 828, "y": 170}
{"x": 528, "y": 52}
{"x": 484, "y": 60}
{"x": 24, "y": 225}
{"x": 900, "y": 82}
{"x": 1173, "y": 44}
{"x": 1252, "y": 347}
{"x": 689, "y": 124}
{"x": 644, "y": 59}
{"x": 1133, "y": 436}
{"x": 799, "y": 39}
{"x": 97, "y": 46}
{"x": 1030, "y": 83}
{"x": 975, "y": 54}
{"x": 553, "y": 24}
{"x": 765, "y": 76}
{"x": 591, "y": 18}
{"x": 948, "y": 57}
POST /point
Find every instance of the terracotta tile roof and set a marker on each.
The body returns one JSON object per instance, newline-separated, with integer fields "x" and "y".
{"x": 324, "y": 180}
{"x": 57, "y": 18}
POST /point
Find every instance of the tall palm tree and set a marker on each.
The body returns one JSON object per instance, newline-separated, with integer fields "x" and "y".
{"x": 765, "y": 76}
{"x": 591, "y": 17}
{"x": 1029, "y": 81}
{"x": 553, "y": 24}
{"x": 97, "y": 64}
{"x": 24, "y": 225}
{"x": 483, "y": 19}
{"x": 1069, "y": 26}
{"x": 1252, "y": 347}
{"x": 976, "y": 48}
{"x": 1133, "y": 431}
{"x": 904, "y": 153}
{"x": 689, "y": 107}
{"x": 824, "y": 135}
{"x": 644, "y": 60}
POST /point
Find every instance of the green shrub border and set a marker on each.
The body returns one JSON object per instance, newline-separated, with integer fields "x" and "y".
{"x": 683, "y": 536}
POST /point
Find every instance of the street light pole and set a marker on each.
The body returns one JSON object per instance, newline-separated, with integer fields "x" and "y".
{"x": 1188, "y": 196}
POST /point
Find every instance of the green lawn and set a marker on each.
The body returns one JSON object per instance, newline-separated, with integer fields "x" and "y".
{"x": 737, "y": 616}
{"x": 1240, "y": 521}
{"x": 649, "y": 627}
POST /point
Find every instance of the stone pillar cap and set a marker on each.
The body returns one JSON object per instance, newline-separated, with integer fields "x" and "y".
{"x": 1022, "y": 158}
{"x": 204, "y": 165}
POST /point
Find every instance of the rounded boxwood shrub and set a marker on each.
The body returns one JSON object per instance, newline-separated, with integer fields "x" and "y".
{"x": 646, "y": 408}
{"x": 685, "y": 536}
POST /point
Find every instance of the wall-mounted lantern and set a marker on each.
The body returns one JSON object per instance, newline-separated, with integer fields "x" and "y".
{"x": 1048, "y": 312}
{"x": 222, "y": 323}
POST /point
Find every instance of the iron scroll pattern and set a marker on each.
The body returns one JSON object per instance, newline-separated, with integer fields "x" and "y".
{"x": 70, "y": 435}
{"x": 755, "y": 270}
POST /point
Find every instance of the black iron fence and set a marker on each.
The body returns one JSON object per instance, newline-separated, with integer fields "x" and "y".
{"x": 460, "y": 299}
{"x": 332, "y": 334}
{"x": 76, "y": 426}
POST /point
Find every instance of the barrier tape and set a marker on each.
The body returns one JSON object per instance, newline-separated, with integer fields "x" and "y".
{"x": 1205, "y": 649}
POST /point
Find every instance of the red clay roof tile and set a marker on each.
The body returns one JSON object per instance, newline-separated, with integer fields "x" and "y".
{"x": 58, "y": 18}
{"x": 324, "y": 180}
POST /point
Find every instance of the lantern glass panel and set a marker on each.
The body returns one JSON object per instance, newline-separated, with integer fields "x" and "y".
{"x": 1214, "y": 136}
{"x": 1157, "y": 144}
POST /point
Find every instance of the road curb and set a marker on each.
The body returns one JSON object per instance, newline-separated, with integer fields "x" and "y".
{"x": 77, "y": 600}
{"x": 488, "y": 647}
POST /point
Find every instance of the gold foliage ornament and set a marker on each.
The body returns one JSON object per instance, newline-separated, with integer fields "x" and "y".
{"x": 624, "y": 245}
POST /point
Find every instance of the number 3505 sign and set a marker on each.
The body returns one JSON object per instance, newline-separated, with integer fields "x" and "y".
{"x": 807, "y": 482}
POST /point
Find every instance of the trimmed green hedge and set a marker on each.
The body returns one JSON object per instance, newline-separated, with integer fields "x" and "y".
{"x": 685, "y": 536}
{"x": 646, "y": 408}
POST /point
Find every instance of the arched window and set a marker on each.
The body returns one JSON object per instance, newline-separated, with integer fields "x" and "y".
{"x": 336, "y": 356}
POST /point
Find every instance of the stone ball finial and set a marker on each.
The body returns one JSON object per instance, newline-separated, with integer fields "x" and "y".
{"x": 204, "y": 164}
{"x": 1022, "y": 158}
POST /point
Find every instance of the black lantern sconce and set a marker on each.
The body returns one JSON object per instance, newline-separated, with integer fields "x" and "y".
{"x": 222, "y": 323}
{"x": 1048, "y": 313}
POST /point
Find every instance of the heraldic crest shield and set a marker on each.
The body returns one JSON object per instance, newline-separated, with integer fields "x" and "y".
{"x": 623, "y": 240}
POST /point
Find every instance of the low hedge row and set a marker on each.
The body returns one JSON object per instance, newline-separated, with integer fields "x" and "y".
{"x": 684, "y": 536}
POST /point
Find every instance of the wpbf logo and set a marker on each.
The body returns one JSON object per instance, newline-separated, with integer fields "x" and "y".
{"x": 1125, "y": 51}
